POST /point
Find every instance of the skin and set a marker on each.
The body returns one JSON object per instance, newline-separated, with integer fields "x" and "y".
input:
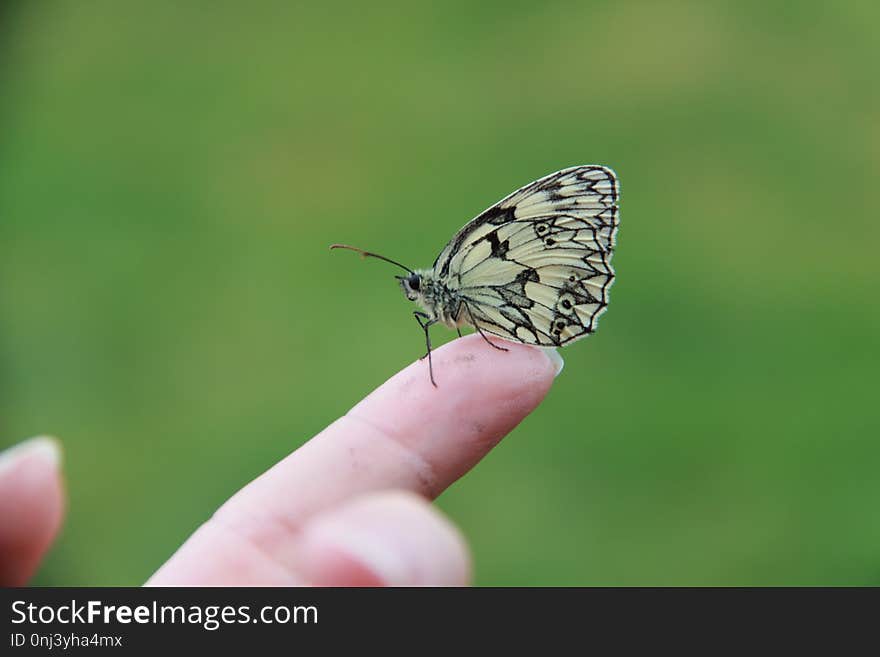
{"x": 350, "y": 507}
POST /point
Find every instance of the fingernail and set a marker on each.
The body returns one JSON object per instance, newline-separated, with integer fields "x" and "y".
{"x": 42, "y": 447}
{"x": 555, "y": 358}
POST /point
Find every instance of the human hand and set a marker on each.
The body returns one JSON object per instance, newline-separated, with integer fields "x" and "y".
{"x": 349, "y": 507}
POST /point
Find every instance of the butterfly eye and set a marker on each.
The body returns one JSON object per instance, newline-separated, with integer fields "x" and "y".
{"x": 414, "y": 282}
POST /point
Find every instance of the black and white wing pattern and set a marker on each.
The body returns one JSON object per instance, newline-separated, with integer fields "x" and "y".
{"x": 536, "y": 266}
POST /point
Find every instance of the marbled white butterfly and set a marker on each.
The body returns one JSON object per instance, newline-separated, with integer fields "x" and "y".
{"x": 533, "y": 268}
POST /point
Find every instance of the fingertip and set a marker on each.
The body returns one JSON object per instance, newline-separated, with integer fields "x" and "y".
{"x": 505, "y": 362}
{"x": 482, "y": 393}
{"x": 43, "y": 449}
{"x": 31, "y": 506}
{"x": 471, "y": 365}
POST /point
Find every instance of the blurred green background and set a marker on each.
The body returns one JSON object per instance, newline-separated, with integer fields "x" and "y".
{"x": 172, "y": 173}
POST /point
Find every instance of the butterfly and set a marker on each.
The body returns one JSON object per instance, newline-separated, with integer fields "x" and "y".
{"x": 534, "y": 268}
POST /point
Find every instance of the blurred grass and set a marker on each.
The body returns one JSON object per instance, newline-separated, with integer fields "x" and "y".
{"x": 170, "y": 177}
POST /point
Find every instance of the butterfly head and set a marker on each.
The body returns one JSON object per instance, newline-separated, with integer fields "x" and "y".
{"x": 411, "y": 286}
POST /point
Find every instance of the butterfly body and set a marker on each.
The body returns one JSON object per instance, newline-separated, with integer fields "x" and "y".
{"x": 439, "y": 302}
{"x": 534, "y": 268}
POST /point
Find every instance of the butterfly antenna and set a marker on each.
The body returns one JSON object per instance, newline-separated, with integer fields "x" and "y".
{"x": 368, "y": 254}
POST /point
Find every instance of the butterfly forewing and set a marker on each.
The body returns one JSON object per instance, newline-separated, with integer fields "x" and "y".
{"x": 536, "y": 266}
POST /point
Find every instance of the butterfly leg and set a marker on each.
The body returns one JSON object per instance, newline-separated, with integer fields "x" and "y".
{"x": 458, "y": 330}
{"x": 426, "y": 322}
{"x": 480, "y": 331}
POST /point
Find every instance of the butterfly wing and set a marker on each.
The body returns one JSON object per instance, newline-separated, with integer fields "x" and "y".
{"x": 536, "y": 266}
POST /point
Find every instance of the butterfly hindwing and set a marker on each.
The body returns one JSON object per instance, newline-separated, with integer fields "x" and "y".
{"x": 536, "y": 266}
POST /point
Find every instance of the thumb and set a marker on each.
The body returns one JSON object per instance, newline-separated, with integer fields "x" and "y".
{"x": 392, "y": 538}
